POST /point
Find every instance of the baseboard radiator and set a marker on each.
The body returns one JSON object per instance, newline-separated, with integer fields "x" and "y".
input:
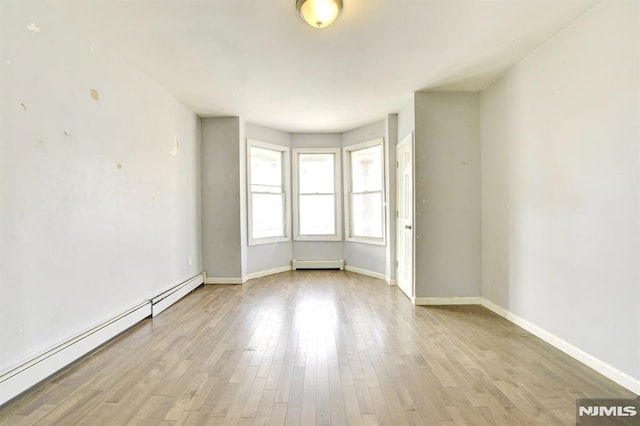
{"x": 36, "y": 369}
{"x": 49, "y": 362}
{"x": 172, "y": 295}
{"x": 317, "y": 264}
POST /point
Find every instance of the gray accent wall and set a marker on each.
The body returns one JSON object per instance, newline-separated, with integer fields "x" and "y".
{"x": 447, "y": 194}
{"x": 316, "y": 140}
{"x": 318, "y": 250}
{"x": 561, "y": 186}
{"x": 223, "y": 239}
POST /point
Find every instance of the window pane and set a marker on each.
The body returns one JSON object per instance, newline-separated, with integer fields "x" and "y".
{"x": 366, "y": 211}
{"x": 366, "y": 169}
{"x": 316, "y": 173}
{"x": 267, "y": 215}
{"x": 266, "y": 170}
{"x": 317, "y": 215}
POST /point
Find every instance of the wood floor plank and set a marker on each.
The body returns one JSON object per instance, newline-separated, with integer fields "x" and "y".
{"x": 338, "y": 414}
{"x": 295, "y": 396}
{"x": 315, "y": 347}
{"x": 278, "y": 415}
{"x": 250, "y": 408}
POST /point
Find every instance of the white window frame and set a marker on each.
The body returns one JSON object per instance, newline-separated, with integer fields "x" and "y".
{"x": 337, "y": 193}
{"x": 286, "y": 179}
{"x": 347, "y": 193}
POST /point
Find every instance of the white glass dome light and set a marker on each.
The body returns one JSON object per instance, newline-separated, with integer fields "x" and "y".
{"x": 319, "y": 13}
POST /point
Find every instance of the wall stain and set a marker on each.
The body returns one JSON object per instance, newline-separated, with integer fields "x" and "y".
{"x": 33, "y": 27}
{"x": 24, "y": 107}
{"x": 95, "y": 95}
{"x": 119, "y": 166}
{"x": 67, "y": 133}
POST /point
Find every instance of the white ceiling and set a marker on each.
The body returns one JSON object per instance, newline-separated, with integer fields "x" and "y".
{"x": 257, "y": 59}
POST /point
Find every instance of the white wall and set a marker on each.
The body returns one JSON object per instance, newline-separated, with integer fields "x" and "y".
{"x": 99, "y": 206}
{"x": 447, "y": 194}
{"x": 406, "y": 119}
{"x": 561, "y": 186}
{"x": 265, "y": 257}
{"x": 222, "y": 222}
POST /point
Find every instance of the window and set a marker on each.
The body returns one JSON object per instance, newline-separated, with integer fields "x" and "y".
{"x": 268, "y": 204}
{"x": 364, "y": 192}
{"x": 316, "y": 204}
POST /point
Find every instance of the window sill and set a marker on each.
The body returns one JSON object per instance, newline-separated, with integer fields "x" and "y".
{"x": 326, "y": 238}
{"x": 365, "y": 240}
{"x": 270, "y": 240}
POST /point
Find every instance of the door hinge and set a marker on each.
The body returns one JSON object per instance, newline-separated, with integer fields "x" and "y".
{"x": 397, "y": 213}
{"x": 397, "y": 164}
{"x": 396, "y": 263}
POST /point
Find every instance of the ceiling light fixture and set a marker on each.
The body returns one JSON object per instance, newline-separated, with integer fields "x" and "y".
{"x": 319, "y": 13}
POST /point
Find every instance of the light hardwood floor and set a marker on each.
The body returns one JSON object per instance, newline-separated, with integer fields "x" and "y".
{"x": 316, "y": 347}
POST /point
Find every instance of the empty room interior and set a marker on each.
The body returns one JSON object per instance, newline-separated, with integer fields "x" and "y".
{"x": 227, "y": 212}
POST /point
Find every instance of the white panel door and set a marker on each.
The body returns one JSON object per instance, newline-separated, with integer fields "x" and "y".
{"x": 404, "y": 216}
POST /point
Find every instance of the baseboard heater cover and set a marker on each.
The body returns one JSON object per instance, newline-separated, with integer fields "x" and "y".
{"x": 38, "y": 368}
{"x": 317, "y": 264}
{"x": 175, "y": 293}
{"x": 28, "y": 374}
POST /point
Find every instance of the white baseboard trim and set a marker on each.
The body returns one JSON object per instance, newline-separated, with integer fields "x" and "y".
{"x": 175, "y": 293}
{"x": 390, "y": 281}
{"x": 224, "y": 280}
{"x": 435, "y": 301}
{"x": 273, "y": 271}
{"x": 360, "y": 271}
{"x": 18, "y": 379}
{"x": 251, "y": 276}
{"x": 600, "y": 366}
